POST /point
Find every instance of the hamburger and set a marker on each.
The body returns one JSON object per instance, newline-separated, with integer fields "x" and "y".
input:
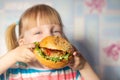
{"x": 53, "y": 52}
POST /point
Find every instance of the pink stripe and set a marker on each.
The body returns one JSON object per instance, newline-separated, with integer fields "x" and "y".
{"x": 47, "y": 77}
{"x": 82, "y": 78}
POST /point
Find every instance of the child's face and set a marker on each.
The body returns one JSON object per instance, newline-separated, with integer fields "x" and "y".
{"x": 38, "y": 33}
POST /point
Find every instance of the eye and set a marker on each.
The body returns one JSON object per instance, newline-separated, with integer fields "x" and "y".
{"x": 56, "y": 31}
{"x": 38, "y": 32}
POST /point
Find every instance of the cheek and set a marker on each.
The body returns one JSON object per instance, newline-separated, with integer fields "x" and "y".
{"x": 29, "y": 39}
{"x": 39, "y": 38}
{"x": 33, "y": 39}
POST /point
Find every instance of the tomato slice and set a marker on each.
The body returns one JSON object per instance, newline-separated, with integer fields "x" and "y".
{"x": 48, "y": 52}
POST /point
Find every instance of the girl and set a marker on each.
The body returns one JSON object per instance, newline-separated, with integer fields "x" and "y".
{"x": 35, "y": 24}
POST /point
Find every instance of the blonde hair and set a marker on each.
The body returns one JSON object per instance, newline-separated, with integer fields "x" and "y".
{"x": 38, "y": 14}
{"x": 11, "y": 39}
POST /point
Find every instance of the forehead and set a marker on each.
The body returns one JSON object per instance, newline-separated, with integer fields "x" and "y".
{"x": 46, "y": 27}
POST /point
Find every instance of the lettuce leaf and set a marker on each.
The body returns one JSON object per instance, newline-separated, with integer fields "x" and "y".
{"x": 55, "y": 59}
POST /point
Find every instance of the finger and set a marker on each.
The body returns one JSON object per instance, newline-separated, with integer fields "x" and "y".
{"x": 30, "y": 46}
{"x": 76, "y": 53}
{"x": 30, "y": 55}
{"x": 27, "y": 60}
{"x": 71, "y": 63}
{"x": 76, "y": 60}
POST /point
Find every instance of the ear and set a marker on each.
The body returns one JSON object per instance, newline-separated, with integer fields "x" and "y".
{"x": 21, "y": 41}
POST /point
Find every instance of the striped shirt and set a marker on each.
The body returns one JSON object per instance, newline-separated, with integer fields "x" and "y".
{"x": 30, "y": 73}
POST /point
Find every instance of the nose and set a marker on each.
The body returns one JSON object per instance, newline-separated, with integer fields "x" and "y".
{"x": 48, "y": 33}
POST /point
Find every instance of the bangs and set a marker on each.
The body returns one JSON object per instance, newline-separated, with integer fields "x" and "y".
{"x": 39, "y": 16}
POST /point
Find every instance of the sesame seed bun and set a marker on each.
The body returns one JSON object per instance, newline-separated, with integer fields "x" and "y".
{"x": 60, "y": 52}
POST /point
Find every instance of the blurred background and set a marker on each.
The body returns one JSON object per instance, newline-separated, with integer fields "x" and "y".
{"x": 93, "y": 26}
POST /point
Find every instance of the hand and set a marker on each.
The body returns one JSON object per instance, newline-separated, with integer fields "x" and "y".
{"x": 24, "y": 53}
{"x": 78, "y": 61}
